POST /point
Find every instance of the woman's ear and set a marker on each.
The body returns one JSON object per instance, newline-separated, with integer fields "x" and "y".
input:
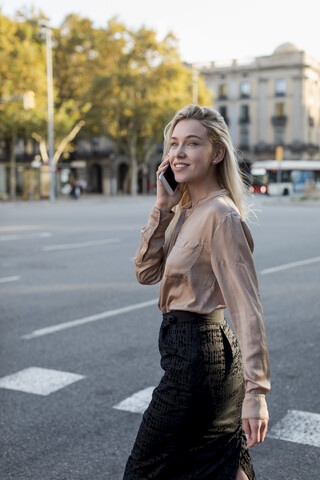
{"x": 218, "y": 156}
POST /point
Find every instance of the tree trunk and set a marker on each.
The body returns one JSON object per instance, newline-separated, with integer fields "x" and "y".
{"x": 145, "y": 180}
{"x": 13, "y": 173}
{"x": 133, "y": 165}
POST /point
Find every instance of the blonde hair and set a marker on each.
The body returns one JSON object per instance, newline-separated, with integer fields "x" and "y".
{"x": 228, "y": 172}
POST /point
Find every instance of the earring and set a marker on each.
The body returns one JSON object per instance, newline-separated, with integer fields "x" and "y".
{"x": 214, "y": 161}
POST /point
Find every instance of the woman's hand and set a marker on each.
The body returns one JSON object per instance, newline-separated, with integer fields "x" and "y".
{"x": 164, "y": 200}
{"x": 255, "y": 429}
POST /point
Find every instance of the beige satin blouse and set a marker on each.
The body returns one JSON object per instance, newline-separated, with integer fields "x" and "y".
{"x": 210, "y": 266}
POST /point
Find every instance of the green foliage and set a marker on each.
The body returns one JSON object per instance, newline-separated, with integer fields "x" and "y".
{"x": 22, "y": 68}
{"x": 123, "y": 83}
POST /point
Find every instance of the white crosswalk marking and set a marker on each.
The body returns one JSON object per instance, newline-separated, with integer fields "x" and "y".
{"x": 137, "y": 403}
{"x": 39, "y": 381}
{"x": 298, "y": 427}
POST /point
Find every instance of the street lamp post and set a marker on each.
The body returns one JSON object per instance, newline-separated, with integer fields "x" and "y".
{"x": 48, "y": 31}
{"x": 195, "y": 84}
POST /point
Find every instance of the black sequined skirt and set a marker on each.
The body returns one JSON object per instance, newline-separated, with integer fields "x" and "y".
{"x": 192, "y": 428}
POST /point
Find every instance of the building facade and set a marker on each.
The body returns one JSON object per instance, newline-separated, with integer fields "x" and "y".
{"x": 270, "y": 101}
{"x": 267, "y": 102}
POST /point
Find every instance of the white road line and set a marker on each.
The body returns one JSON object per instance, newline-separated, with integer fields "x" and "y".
{"x": 39, "y": 381}
{"x": 24, "y": 236}
{"x": 286, "y": 266}
{"x": 20, "y": 228}
{"x": 93, "y": 318}
{"x": 137, "y": 403}
{"x": 9, "y": 279}
{"x": 298, "y": 427}
{"x": 91, "y": 243}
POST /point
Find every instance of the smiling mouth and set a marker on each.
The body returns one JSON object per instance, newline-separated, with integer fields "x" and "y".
{"x": 180, "y": 165}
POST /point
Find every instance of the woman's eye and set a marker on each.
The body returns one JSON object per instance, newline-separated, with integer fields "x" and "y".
{"x": 173, "y": 144}
{"x": 192, "y": 144}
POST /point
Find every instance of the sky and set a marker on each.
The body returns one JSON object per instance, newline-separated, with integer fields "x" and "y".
{"x": 207, "y": 30}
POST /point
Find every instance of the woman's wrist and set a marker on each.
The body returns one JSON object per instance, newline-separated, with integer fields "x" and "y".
{"x": 163, "y": 207}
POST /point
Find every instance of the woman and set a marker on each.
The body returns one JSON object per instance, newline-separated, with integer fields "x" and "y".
{"x": 192, "y": 428}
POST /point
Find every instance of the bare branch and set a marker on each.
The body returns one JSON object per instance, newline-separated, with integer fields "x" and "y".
{"x": 42, "y": 147}
{"x": 67, "y": 139}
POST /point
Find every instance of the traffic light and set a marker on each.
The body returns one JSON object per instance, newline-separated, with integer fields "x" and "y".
{"x": 28, "y": 100}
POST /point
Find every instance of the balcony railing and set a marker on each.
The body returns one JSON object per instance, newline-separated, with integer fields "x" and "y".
{"x": 244, "y": 120}
{"x": 279, "y": 120}
{"x": 244, "y": 147}
{"x": 264, "y": 148}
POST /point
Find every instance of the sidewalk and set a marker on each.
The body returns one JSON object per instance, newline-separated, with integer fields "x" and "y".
{"x": 83, "y": 200}
{"x": 98, "y": 199}
{"x": 295, "y": 200}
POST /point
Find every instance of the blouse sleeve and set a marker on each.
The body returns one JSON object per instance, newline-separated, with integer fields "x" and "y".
{"x": 232, "y": 263}
{"x": 149, "y": 262}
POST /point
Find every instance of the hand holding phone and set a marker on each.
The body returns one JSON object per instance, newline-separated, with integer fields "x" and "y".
{"x": 168, "y": 181}
{"x": 169, "y": 192}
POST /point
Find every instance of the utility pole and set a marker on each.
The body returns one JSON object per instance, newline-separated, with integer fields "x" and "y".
{"x": 13, "y": 179}
{"x": 48, "y": 31}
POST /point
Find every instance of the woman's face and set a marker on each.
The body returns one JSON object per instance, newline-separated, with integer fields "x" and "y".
{"x": 191, "y": 153}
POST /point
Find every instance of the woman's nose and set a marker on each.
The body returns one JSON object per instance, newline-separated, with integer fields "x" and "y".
{"x": 181, "y": 152}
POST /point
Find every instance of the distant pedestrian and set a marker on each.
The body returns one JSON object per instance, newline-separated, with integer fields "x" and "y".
{"x": 75, "y": 189}
{"x": 208, "y": 408}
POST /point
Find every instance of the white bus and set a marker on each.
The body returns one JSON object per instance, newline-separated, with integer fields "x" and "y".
{"x": 284, "y": 178}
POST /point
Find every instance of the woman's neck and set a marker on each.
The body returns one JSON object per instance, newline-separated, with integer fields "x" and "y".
{"x": 202, "y": 191}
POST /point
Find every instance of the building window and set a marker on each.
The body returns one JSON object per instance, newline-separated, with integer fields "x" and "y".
{"x": 245, "y": 89}
{"x": 223, "y": 90}
{"x": 279, "y": 119}
{"x": 244, "y": 138}
{"x": 279, "y": 136}
{"x": 281, "y": 87}
{"x": 94, "y": 145}
{"x": 224, "y": 112}
{"x": 244, "y": 113}
{"x": 280, "y": 110}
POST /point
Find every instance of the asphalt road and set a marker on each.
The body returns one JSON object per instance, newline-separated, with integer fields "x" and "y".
{"x": 73, "y": 260}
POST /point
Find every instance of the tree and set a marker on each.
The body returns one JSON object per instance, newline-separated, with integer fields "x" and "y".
{"x": 73, "y": 55}
{"x": 118, "y": 82}
{"x": 22, "y": 69}
{"x": 146, "y": 85}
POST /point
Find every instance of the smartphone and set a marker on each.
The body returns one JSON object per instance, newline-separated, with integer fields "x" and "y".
{"x": 168, "y": 181}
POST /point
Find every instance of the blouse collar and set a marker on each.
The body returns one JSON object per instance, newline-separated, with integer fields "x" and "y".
{"x": 217, "y": 193}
